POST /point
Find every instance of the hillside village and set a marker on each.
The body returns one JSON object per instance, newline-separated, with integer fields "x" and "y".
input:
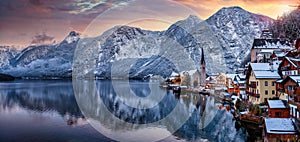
{"x": 267, "y": 88}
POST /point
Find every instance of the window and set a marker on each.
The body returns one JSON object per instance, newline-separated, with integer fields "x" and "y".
{"x": 277, "y": 114}
{"x": 290, "y": 88}
{"x": 273, "y": 83}
{"x": 266, "y": 83}
{"x": 257, "y": 83}
{"x": 273, "y": 92}
{"x": 266, "y": 92}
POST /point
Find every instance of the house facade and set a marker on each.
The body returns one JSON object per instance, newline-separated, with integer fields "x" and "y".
{"x": 278, "y": 109}
{"x": 261, "y": 82}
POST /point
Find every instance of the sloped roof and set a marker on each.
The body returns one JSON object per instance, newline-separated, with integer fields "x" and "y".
{"x": 276, "y": 104}
{"x": 296, "y": 79}
{"x": 266, "y": 74}
{"x": 242, "y": 76}
{"x": 231, "y": 76}
{"x": 293, "y": 61}
{"x": 280, "y": 126}
{"x": 260, "y": 66}
{"x": 271, "y": 43}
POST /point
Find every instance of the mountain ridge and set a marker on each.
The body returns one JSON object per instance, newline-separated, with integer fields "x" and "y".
{"x": 225, "y": 37}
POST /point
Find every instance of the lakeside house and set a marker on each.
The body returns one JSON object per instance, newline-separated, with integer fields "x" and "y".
{"x": 260, "y": 80}
{"x": 279, "y": 129}
{"x": 278, "y": 109}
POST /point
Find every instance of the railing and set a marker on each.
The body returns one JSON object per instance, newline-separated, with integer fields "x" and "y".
{"x": 252, "y": 85}
{"x": 253, "y": 94}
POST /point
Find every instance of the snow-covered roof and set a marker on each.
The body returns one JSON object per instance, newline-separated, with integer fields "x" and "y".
{"x": 220, "y": 88}
{"x": 280, "y": 54}
{"x": 260, "y": 66}
{"x": 225, "y": 94}
{"x": 266, "y": 74}
{"x": 296, "y": 79}
{"x": 279, "y": 81}
{"x": 242, "y": 81}
{"x": 231, "y": 76}
{"x": 190, "y": 72}
{"x": 280, "y": 126}
{"x": 276, "y": 104}
{"x": 242, "y": 76}
{"x": 271, "y": 44}
{"x": 291, "y": 61}
{"x": 174, "y": 74}
{"x": 266, "y": 51}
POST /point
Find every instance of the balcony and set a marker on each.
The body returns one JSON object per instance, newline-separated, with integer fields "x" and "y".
{"x": 253, "y": 94}
{"x": 252, "y": 85}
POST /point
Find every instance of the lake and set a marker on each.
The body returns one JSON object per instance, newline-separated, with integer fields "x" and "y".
{"x": 50, "y": 110}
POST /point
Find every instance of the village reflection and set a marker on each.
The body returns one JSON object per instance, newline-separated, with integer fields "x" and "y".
{"x": 205, "y": 119}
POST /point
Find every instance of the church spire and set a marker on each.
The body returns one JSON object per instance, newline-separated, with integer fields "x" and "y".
{"x": 202, "y": 70}
{"x": 202, "y": 61}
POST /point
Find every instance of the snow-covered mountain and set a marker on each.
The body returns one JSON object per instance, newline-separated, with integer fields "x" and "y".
{"x": 6, "y": 53}
{"x": 44, "y": 61}
{"x": 226, "y": 38}
{"x": 235, "y": 30}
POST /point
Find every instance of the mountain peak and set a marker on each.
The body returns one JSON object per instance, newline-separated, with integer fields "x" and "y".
{"x": 73, "y": 33}
{"x": 232, "y": 9}
{"x": 193, "y": 17}
{"x": 72, "y": 37}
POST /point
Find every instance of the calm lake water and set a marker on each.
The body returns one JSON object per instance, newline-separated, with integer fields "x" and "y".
{"x": 39, "y": 110}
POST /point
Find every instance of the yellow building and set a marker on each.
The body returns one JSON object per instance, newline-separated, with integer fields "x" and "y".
{"x": 261, "y": 79}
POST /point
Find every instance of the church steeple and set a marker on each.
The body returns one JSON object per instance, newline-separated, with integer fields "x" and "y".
{"x": 202, "y": 69}
{"x": 202, "y": 61}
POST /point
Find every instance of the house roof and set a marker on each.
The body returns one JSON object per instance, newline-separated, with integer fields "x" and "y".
{"x": 190, "y": 72}
{"x": 279, "y": 81}
{"x": 296, "y": 79}
{"x": 242, "y": 81}
{"x": 231, "y": 76}
{"x": 280, "y": 126}
{"x": 267, "y": 51}
{"x": 270, "y": 43}
{"x": 260, "y": 66}
{"x": 266, "y": 74}
{"x": 280, "y": 54}
{"x": 277, "y": 104}
{"x": 242, "y": 76}
{"x": 292, "y": 61}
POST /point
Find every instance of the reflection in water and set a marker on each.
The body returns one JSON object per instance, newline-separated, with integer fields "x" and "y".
{"x": 25, "y": 100}
{"x": 204, "y": 121}
{"x": 36, "y": 111}
{"x": 42, "y": 97}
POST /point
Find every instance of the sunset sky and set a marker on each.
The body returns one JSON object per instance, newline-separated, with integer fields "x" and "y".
{"x": 26, "y": 22}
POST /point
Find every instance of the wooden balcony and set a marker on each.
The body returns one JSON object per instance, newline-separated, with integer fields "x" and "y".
{"x": 253, "y": 94}
{"x": 252, "y": 85}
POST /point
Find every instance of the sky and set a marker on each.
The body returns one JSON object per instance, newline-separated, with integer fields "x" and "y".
{"x": 34, "y": 22}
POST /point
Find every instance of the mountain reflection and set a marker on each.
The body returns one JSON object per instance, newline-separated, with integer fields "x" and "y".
{"x": 42, "y": 97}
{"x": 203, "y": 120}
